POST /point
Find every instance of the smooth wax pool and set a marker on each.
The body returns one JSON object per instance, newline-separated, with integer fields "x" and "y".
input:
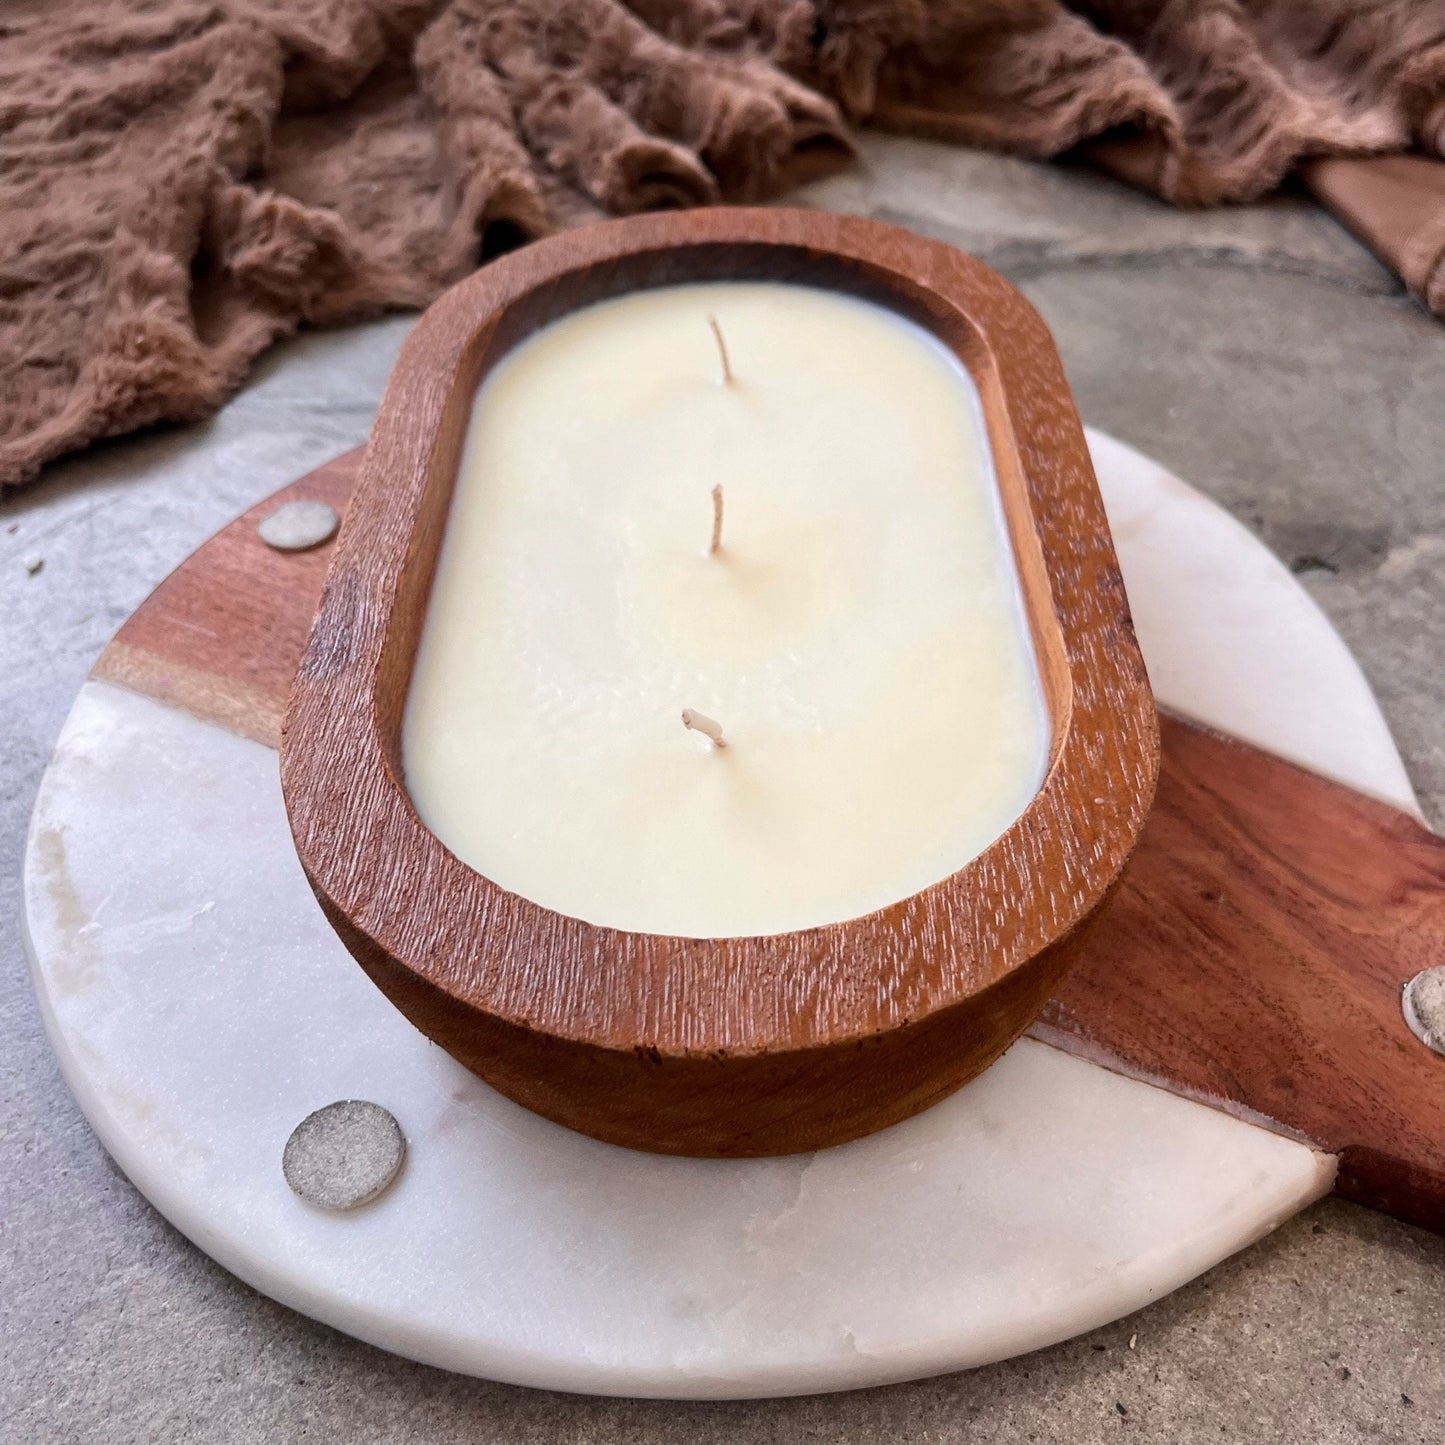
{"x": 858, "y": 637}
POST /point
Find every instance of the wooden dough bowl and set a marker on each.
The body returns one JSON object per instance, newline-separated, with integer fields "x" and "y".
{"x": 736, "y": 1046}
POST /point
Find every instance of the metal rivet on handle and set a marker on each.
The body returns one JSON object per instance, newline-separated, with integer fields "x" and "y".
{"x": 343, "y": 1155}
{"x": 1423, "y": 1005}
{"x": 298, "y": 526}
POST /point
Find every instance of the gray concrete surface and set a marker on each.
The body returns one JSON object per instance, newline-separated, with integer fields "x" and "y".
{"x": 1261, "y": 354}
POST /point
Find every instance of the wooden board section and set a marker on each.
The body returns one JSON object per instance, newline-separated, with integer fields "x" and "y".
{"x": 222, "y": 635}
{"x": 1253, "y": 957}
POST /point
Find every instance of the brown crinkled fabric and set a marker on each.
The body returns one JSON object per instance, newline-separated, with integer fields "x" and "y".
{"x": 184, "y": 181}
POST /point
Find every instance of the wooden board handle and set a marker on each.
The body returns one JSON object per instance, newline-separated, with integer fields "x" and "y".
{"x": 1255, "y": 958}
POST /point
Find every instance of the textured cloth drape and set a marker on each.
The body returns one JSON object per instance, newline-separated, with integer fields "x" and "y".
{"x": 184, "y": 181}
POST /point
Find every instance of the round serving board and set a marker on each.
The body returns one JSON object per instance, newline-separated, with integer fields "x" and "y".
{"x": 201, "y": 1007}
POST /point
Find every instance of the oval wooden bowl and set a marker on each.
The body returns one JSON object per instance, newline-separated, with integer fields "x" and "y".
{"x": 738, "y": 1046}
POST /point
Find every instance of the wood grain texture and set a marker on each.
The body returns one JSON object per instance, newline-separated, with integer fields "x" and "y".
{"x": 221, "y": 635}
{"x": 737, "y": 1046}
{"x": 1253, "y": 956}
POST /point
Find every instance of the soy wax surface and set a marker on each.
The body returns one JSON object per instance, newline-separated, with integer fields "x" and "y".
{"x": 858, "y": 636}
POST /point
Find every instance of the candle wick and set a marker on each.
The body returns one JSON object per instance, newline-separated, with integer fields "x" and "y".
{"x": 700, "y": 722}
{"x": 717, "y": 519}
{"x": 722, "y": 350}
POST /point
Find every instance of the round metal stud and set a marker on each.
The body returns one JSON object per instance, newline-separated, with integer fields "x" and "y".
{"x": 1423, "y": 1004}
{"x": 344, "y": 1155}
{"x": 298, "y": 526}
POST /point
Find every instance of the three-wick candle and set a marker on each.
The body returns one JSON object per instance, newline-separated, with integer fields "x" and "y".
{"x": 770, "y": 508}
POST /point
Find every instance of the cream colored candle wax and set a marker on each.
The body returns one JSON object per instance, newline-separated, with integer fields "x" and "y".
{"x": 856, "y": 639}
